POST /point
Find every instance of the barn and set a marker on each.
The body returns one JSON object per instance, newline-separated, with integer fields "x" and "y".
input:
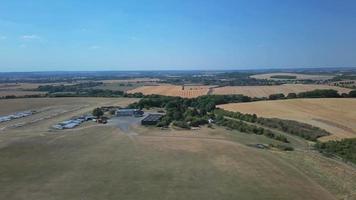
{"x": 151, "y": 119}
{"x": 129, "y": 112}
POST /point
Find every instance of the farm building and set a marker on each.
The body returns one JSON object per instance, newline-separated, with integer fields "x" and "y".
{"x": 129, "y": 112}
{"x": 72, "y": 123}
{"x": 16, "y": 116}
{"x": 151, "y": 119}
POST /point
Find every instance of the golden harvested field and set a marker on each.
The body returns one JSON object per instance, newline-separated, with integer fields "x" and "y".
{"x": 298, "y": 76}
{"x": 173, "y": 90}
{"x": 337, "y": 116}
{"x": 265, "y": 91}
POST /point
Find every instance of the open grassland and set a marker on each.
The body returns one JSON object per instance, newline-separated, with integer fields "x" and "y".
{"x": 337, "y": 116}
{"x": 298, "y": 76}
{"x": 173, "y": 90}
{"x": 22, "y": 89}
{"x": 28, "y": 86}
{"x": 18, "y": 93}
{"x": 265, "y": 91}
{"x": 102, "y": 162}
{"x": 8, "y": 106}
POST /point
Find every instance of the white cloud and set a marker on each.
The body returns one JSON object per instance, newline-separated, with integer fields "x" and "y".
{"x": 30, "y": 37}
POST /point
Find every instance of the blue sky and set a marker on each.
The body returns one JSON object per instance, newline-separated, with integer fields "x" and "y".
{"x": 43, "y": 35}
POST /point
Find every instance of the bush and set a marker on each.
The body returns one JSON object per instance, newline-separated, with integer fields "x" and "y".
{"x": 346, "y": 149}
{"x": 276, "y": 96}
{"x": 352, "y": 93}
{"x": 97, "y": 112}
{"x": 181, "y": 124}
{"x": 195, "y": 122}
{"x": 291, "y": 96}
{"x": 282, "y": 147}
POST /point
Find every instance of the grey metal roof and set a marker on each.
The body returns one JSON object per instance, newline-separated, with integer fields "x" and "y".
{"x": 127, "y": 110}
{"x": 153, "y": 117}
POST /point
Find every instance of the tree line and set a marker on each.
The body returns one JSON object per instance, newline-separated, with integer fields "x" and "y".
{"x": 318, "y": 93}
{"x": 345, "y": 149}
{"x": 303, "y": 130}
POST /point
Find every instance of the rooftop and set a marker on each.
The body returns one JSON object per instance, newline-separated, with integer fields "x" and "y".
{"x": 153, "y": 117}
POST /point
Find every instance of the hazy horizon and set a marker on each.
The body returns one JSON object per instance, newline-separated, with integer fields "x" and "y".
{"x": 180, "y": 70}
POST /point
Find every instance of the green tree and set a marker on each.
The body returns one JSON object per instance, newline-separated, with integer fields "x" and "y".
{"x": 291, "y": 96}
{"x": 352, "y": 93}
{"x": 276, "y": 96}
{"x": 97, "y": 112}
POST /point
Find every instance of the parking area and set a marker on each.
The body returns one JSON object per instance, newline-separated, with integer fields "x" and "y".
{"x": 124, "y": 123}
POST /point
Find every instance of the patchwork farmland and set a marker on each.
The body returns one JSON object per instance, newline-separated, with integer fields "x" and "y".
{"x": 189, "y": 91}
{"x": 265, "y": 91}
{"x": 252, "y": 91}
{"x": 336, "y": 116}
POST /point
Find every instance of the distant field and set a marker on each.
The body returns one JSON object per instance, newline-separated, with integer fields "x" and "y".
{"x": 18, "y": 93}
{"x": 265, "y": 91}
{"x": 173, "y": 90}
{"x": 27, "y": 86}
{"x": 134, "y": 80}
{"x": 297, "y": 76}
{"x": 123, "y": 86}
{"x": 21, "y": 89}
{"x": 337, "y": 116}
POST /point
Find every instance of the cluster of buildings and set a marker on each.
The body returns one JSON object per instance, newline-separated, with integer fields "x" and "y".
{"x": 129, "y": 112}
{"x": 69, "y": 124}
{"x": 150, "y": 119}
{"x": 16, "y": 116}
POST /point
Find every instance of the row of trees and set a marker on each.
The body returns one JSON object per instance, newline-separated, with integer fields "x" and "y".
{"x": 251, "y": 129}
{"x": 345, "y": 149}
{"x": 68, "y": 88}
{"x": 303, "y": 130}
{"x": 319, "y": 93}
